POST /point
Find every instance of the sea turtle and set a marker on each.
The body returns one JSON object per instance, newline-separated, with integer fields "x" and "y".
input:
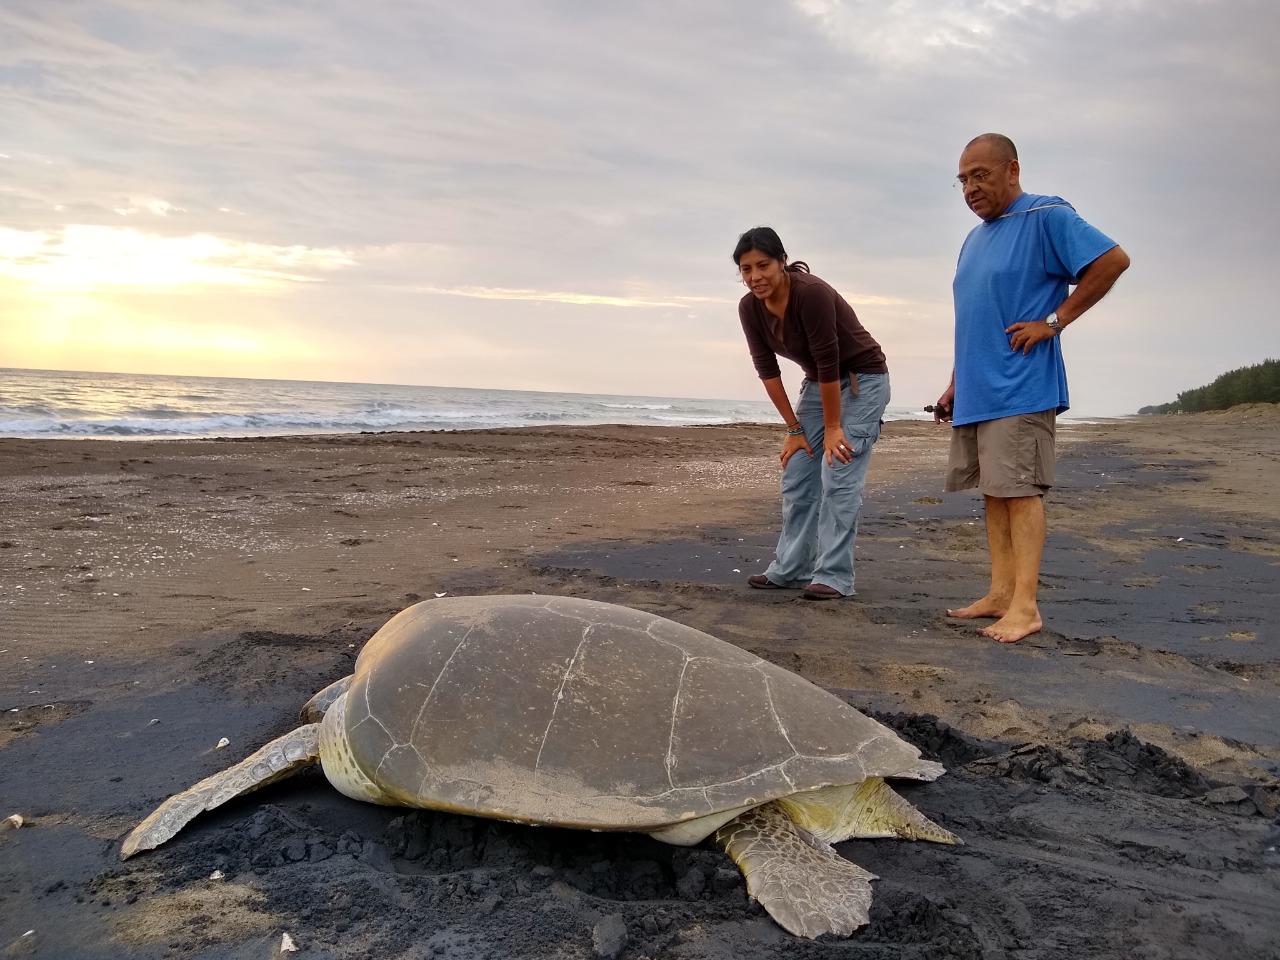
{"x": 575, "y": 713}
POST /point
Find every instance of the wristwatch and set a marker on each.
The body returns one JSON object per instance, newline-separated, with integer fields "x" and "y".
{"x": 1054, "y": 324}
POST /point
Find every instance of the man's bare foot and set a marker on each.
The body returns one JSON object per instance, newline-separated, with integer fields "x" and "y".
{"x": 988, "y": 606}
{"x": 1012, "y": 627}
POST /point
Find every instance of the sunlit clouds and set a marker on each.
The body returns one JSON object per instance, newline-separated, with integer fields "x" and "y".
{"x": 561, "y": 296}
{"x": 80, "y": 257}
{"x": 161, "y": 208}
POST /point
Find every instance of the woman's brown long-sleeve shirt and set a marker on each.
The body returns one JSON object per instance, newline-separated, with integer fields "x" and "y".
{"x": 819, "y": 331}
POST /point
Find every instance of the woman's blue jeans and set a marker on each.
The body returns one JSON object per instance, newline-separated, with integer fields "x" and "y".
{"x": 820, "y": 503}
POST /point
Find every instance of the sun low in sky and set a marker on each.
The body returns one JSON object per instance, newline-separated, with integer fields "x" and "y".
{"x": 88, "y": 296}
{"x": 535, "y": 196}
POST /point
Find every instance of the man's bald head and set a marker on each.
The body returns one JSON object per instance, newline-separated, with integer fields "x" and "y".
{"x": 997, "y": 142}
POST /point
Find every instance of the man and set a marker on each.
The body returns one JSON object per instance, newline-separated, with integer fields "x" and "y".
{"x": 1013, "y": 302}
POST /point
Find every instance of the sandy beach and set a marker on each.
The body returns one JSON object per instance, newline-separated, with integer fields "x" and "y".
{"x": 1116, "y": 777}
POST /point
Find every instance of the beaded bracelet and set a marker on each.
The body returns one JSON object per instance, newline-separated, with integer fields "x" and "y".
{"x": 798, "y": 431}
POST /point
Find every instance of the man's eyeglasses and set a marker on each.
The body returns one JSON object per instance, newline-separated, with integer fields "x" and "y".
{"x": 962, "y": 182}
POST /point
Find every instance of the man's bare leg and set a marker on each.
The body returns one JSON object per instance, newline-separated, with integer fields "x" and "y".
{"x": 1000, "y": 544}
{"x": 1026, "y": 538}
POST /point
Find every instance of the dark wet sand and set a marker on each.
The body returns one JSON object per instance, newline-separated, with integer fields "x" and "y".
{"x": 1116, "y": 777}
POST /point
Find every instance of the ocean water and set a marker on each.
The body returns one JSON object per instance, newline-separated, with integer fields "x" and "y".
{"x": 51, "y": 403}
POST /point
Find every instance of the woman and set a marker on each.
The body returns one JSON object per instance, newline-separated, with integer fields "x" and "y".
{"x": 791, "y": 313}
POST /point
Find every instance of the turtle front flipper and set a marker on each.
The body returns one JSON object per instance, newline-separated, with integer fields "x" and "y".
{"x": 806, "y": 886}
{"x": 278, "y": 759}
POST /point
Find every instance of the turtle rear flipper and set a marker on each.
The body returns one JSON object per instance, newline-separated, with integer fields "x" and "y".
{"x": 868, "y": 809}
{"x": 313, "y": 710}
{"x": 806, "y": 886}
{"x": 278, "y": 759}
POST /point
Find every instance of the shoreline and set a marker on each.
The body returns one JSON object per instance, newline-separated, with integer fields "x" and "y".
{"x": 921, "y": 418}
{"x": 214, "y": 584}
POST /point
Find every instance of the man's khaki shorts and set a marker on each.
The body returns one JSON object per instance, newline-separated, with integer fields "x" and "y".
{"x": 1009, "y": 457}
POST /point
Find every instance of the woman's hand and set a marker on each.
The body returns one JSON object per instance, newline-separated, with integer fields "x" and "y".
{"x": 793, "y": 444}
{"x": 837, "y": 447}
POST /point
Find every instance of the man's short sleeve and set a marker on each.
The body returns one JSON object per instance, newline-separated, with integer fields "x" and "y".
{"x": 1071, "y": 243}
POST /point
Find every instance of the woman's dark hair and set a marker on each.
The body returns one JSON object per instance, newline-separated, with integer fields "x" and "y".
{"x": 767, "y": 241}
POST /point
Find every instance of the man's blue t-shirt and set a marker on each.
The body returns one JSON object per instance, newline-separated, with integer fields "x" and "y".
{"x": 1014, "y": 268}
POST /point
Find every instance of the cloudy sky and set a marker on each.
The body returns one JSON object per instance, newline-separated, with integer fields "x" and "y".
{"x": 544, "y": 194}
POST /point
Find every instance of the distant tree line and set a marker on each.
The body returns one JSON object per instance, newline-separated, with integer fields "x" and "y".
{"x": 1257, "y": 384}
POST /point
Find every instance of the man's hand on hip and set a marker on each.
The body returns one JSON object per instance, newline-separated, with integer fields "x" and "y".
{"x": 1027, "y": 333}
